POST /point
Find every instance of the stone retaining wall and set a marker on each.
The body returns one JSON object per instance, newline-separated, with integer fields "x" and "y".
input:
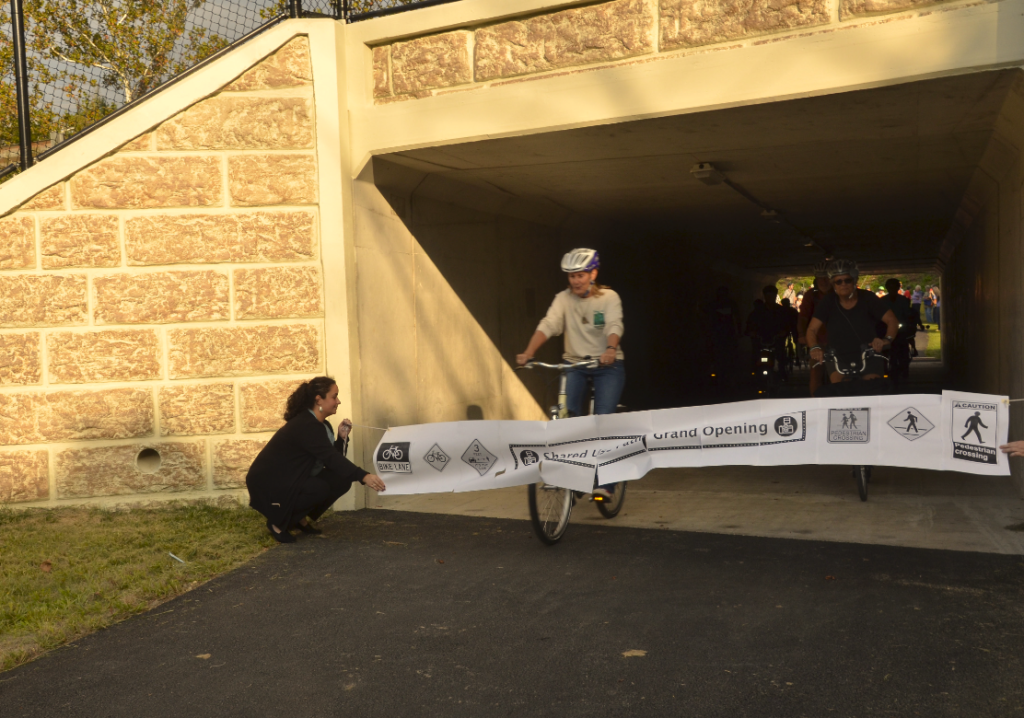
{"x": 609, "y": 33}
{"x": 168, "y": 297}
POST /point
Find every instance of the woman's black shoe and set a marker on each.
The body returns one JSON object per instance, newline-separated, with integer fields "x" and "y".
{"x": 310, "y": 529}
{"x": 280, "y": 537}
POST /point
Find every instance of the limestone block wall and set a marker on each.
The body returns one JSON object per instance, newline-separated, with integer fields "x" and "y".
{"x": 157, "y": 306}
{"x": 611, "y": 33}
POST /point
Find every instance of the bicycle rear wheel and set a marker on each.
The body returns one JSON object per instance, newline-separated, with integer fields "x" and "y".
{"x": 550, "y": 507}
{"x": 611, "y": 508}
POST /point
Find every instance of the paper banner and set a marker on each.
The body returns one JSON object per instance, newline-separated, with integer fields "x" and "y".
{"x": 955, "y": 432}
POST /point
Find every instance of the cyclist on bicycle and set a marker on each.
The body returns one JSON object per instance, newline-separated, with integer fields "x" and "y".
{"x": 590, "y": 316}
{"x": 768, "y": 325}
{"x": 899, "y": 353}
{"x": 818, "y": 292}
{"x": 850, "y": 314}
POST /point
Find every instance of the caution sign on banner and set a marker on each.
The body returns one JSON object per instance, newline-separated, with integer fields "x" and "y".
{"x": 979, "y": 422}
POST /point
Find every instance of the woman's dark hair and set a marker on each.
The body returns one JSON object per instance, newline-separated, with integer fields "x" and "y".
{"x": 303, "y": 398}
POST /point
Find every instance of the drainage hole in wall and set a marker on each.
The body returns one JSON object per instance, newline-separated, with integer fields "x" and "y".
{"x": 148, "y": 461}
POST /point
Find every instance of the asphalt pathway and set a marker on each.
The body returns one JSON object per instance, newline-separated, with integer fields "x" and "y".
{"x": 401, "y": 614}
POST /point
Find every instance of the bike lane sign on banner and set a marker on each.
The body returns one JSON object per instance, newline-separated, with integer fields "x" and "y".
{"x": 977, "y": 425}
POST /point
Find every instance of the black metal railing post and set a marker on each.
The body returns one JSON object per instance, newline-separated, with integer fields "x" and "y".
{"x": 294, "y": 8}
{"x": 21, "y": 80}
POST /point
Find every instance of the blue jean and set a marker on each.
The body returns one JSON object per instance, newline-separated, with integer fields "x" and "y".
{"x": 608, "y": 383}
{"x": 928, "y": 314}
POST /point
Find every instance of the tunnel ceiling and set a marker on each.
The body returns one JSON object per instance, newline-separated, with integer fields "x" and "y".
{"x": 874, "y": 174}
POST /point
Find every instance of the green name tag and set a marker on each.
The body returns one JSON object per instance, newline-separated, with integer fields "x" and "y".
{"x": 598, "y": 319}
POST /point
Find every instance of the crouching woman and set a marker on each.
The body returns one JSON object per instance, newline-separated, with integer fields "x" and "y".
{"x": 302, "y": 470}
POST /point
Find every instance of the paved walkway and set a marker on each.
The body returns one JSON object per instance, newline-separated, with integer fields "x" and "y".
{"x": 399, "y": 614}
{"x": 905, "y": 507}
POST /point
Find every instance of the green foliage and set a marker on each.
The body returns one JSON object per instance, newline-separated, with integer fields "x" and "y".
{"x": 134, "y": 46}
{"x": 875, "y": 281}
{"x": 69, "y": 571}
{"x": 79, "y": 51}
{"x": 934, "y": 349}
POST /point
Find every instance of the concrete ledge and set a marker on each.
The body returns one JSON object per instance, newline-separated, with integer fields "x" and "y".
{"x": 830, "y": 60}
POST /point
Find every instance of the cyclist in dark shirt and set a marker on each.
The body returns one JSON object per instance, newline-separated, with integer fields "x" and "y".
{"x": 767, "y": 326}
{"x": 723, "y": 337}
{"x": 899, "y": 352}
{"x": 821, "y": 287}
{"x": 850, "y": 315}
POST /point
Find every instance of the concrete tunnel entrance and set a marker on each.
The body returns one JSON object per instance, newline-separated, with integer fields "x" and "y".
{"x": 919, "y": 176}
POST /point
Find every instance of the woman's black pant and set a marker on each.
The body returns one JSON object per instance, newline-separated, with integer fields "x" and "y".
{"x": 316, "y": 495}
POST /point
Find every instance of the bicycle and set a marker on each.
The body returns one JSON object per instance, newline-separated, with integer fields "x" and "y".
{"x": 551, "y": 506}
{"x": 766, "y": 370}
{"x": 854, "y": 385}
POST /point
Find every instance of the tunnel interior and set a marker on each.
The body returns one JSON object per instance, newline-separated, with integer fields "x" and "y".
{"x": 921, "y": 176}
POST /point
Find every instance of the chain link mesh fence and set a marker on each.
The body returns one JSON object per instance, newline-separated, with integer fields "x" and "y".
{"x": 87, "y": 59}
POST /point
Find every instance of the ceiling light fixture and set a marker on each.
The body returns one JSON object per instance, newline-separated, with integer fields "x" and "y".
{"x": 706, "y": 173}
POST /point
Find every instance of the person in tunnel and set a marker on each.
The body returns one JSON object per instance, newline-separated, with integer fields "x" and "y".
{"x": 899, "y": 352}
{"x": 811, "y": 298}
{"x": 850, "y": 314}
{"x": 791, "y": 323}
{"x": 723, "y": 319}
{"x": 302, "y": 470}
{"x": 766, "y": 326}
{"x": 590, "y": 316}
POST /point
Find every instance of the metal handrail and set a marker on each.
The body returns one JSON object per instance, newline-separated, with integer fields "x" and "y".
{"x": 340, "y": 10}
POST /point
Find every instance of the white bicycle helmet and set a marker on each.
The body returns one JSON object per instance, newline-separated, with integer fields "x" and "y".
{"x": 821, "y": 268}
{"x": 580, "y": 260}
{"x": 843, "y": 266}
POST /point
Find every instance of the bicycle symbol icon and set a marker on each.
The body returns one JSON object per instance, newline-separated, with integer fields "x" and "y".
{"x": 437, "y": 456}
{"x": 392, "y": 454}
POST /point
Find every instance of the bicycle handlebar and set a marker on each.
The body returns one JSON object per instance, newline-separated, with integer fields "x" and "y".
{"x": 867, "y": 354}
{"x": 587, "y": 363}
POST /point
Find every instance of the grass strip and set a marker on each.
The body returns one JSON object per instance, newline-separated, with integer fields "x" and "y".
{"x": 70, "y": 571}
{"x": 934, "y": 349}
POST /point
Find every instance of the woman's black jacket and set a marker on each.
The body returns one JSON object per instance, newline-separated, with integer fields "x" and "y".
{"x": 275, "y": 477}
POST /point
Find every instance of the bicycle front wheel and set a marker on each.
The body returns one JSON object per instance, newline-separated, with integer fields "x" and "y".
{"x": 863, "y": 475}
{"x": 550, "y": 507}
{"x": 611, "y": 508}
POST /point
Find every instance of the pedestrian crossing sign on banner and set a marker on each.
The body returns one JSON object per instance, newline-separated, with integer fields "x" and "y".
{"x": 911, "y": 424}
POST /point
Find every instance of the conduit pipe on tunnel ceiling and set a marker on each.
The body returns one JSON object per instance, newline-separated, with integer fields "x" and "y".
{"x": 706, "y": 173}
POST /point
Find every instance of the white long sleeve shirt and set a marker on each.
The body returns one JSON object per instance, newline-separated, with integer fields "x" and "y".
{"x": 586, "y": 323}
